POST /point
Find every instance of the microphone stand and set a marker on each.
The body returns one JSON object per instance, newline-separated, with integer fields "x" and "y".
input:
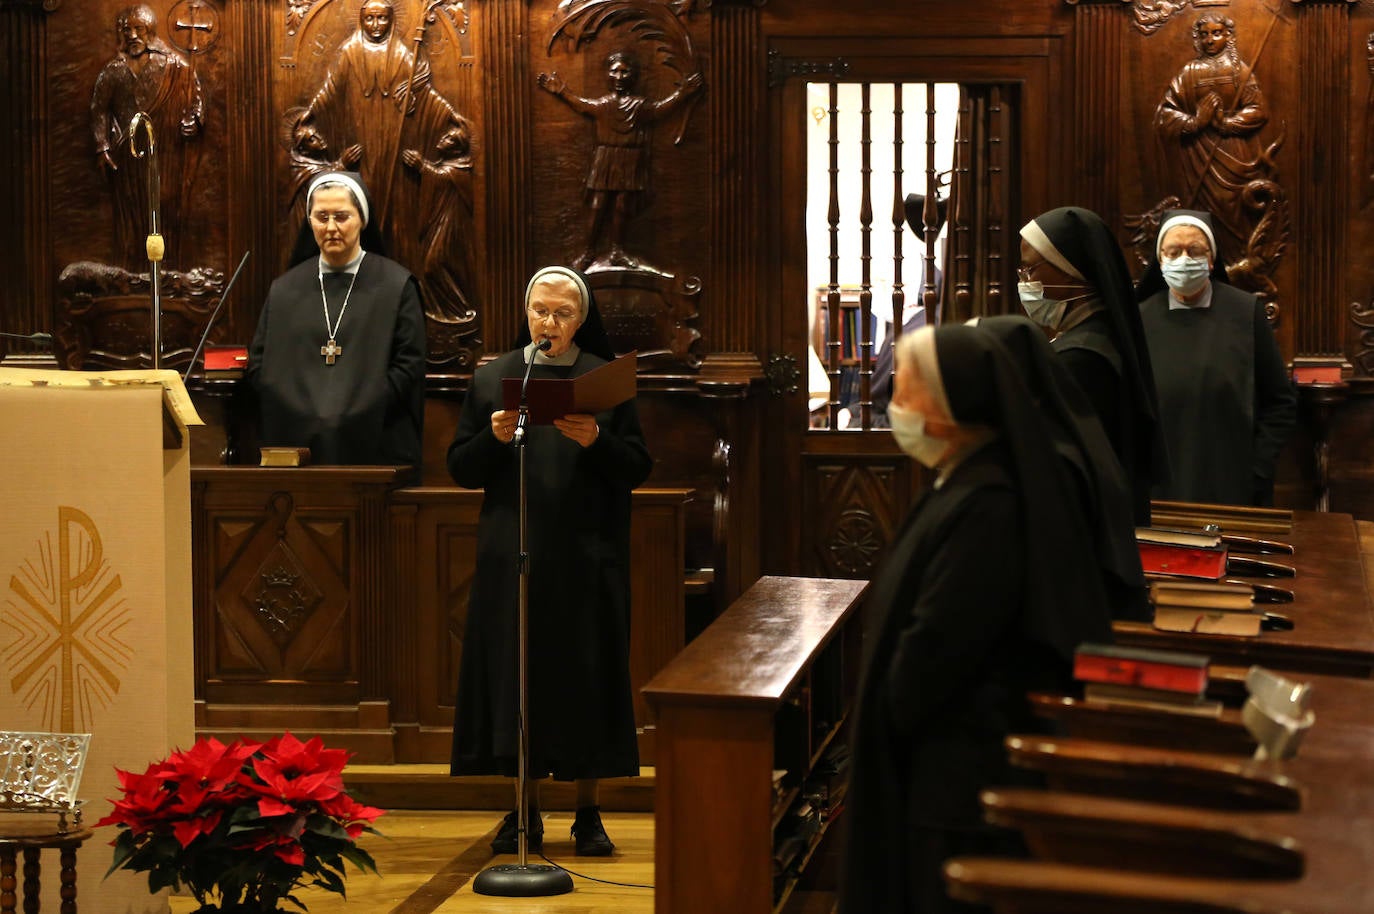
{"x": 523, "y": 879}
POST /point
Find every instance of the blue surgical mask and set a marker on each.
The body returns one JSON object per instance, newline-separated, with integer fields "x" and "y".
{"x": 1186, "y": 275}
{"x": 1047, "y": 312}
{"x": 909, "y": 428}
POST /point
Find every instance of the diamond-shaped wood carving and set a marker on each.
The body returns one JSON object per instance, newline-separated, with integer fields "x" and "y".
{"x": 281, "y": 595}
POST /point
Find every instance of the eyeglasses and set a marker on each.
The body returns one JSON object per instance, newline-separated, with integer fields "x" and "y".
{"x": 561, "y": 316}
{"x": 1024, "y": 274}
{"x": 323, "y": 218}
{"x": 1174, "y": 251}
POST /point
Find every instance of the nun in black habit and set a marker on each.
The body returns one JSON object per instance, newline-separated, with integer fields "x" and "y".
{"x": 338, "y": 359}
{"x": 1226, "y": 405}
{"x": 978, "y": 602}
{"x": 1074, "y": 282}
{"x": 1083, "y": 447}
{"x": 580, "y": 472}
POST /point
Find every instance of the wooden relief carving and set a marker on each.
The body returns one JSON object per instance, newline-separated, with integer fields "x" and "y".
{"x": 852, "y": 520}
{"x": 104, "y": 319}
{"x": 651, "y": 312}
{"x": 623, "y": 118}
{"x": 282, "y": 596}
{"x": 146, "y": 74}
{"x": 1362, "y": 316}
{"x": 1149, "y": 15}
{"x": 373, "y": 107}
{"x": 1210, "y": 122}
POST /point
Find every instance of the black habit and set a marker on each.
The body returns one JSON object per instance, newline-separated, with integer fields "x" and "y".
{"x": 581, "y": 714}
{"x": 367, "y": 407}
{"x": 979, "y": 600}
{"x": 1225, "y": 402}
{"x": 1107, "y": 353}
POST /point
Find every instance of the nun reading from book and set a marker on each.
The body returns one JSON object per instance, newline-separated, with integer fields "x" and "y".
{"x": 979, "y": 601}
{"x": 580, "y": 470}
{"x": 338, "y": 359}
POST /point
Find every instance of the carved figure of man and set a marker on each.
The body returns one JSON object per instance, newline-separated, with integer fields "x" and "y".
{"x": 446, "y": 208}
{"x": 1214, "y": 109}
{"x": 146, "y": 75}
{"x": 619, "y": 173}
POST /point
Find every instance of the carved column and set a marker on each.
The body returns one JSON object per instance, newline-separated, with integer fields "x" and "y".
{"x": 735, "y": 100}
{"x": 251, "y": 146}
{"x": 505, "y": 156}
{"x": 25, "y": 255}
{"x": 1098, "y": 29}
{"x": 1323, "y": 140}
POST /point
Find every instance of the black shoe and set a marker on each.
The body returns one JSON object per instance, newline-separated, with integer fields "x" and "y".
{"x": 590, "y": 834}
{"x": 507, "y": 840}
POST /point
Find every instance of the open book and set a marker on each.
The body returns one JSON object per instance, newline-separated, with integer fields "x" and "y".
{"x": 600, "y": 389}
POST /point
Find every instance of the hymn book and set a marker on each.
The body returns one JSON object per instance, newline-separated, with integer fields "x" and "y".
{"x": 600, "y": 389}
{"x": 284, "y": 456}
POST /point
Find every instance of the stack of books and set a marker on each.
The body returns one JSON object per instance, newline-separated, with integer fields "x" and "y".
{"x": 1144, "y": 677}
{"x": 1181, "y": 554}
{"x": 1211, "y": 607}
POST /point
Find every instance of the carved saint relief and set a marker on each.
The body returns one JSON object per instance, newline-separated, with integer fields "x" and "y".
{"x": 619, "y": 172}
{"x": 376, "y": 111}
{"x": 148, "y": 75}
{"x": 1210, "y": 121}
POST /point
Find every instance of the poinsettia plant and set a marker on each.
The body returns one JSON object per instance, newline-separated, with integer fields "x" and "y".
{"x": 242, "y": 824}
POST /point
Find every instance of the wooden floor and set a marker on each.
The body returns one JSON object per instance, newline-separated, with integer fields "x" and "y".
{"x": 427, "y": 858}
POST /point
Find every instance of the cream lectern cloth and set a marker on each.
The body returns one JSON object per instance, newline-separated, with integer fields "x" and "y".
{"x": 95, "y": 587}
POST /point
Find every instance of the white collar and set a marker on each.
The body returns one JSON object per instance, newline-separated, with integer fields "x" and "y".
{"x": 567, "y": 358}
{"x": 1203, "y": 302}
{"x": 350, "y": 267}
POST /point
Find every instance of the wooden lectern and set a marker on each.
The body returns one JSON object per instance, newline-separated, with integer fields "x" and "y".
{"x": 95, "y": 583}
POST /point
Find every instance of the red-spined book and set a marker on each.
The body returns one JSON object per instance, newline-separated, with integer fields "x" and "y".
{"x": 226, "y": 358}
{"x": 1146, "y": 668}
{"x": 1183, "y": 561}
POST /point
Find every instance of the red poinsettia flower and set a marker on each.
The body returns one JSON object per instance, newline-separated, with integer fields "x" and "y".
{"x": 231, "y": 821}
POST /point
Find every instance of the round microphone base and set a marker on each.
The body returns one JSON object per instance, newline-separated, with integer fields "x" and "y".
{"x": 515, "y": 880}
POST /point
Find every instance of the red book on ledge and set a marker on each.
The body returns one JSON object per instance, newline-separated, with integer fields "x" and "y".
{"x": 1183, "y": 561}
{"x": 225, "y": 358}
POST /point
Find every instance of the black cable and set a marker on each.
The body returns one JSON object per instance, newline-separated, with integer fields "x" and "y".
{"x": 624, "y": 885}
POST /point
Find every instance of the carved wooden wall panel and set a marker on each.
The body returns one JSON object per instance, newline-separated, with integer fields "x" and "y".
{"x": 1323, "y": 135}
{"x": 1098, "y": 36}
{"x": 855, "y": 506}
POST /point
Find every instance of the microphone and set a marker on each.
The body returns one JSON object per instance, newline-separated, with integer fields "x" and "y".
{"x": 41, "y": 337}
{"x": 214, "y": 314}
{"x": 543, "y": 345}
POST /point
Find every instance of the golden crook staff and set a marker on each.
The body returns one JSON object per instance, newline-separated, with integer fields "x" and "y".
{"x": 156, "y": 247}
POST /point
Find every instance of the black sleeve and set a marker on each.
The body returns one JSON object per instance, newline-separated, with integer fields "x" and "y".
{"x": 1101, "y": 385}
{"x": 406, "y": 368}
{"x": 619, "y": 453}
{"x": 970, "y": 597}
{"x": 1276, "y": 404}
{"x": 475, "y": 453}
{"x": 253, "y": 371}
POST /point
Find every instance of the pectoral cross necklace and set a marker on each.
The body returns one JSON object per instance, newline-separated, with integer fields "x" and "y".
{"x": 331, "y": 350}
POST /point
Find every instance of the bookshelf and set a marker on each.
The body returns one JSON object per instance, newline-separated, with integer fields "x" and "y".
{"x": 751, "y": 746}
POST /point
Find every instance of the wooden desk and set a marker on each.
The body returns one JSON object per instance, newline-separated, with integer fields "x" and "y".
{"x": 1333, "y": 619}
{"x": 718, "y": 705}
{"x": 1344, "y": 727}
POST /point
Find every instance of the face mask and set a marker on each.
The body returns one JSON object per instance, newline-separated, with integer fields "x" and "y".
{"x": 909, "y": 428}
{"x": 1186, "y": 275}
{"x": 1047, "y": 312}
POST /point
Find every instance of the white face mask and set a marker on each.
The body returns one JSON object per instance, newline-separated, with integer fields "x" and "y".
{"x": 1186, "y": 275}
{"x": 909, "y": 428}
{"x": 1047, "y": 312}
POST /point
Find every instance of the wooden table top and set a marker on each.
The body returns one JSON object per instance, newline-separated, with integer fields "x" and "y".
{"x": 1333, "y": 620}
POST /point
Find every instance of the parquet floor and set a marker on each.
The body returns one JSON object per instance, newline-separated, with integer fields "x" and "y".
{"x": 427, "y": 858}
